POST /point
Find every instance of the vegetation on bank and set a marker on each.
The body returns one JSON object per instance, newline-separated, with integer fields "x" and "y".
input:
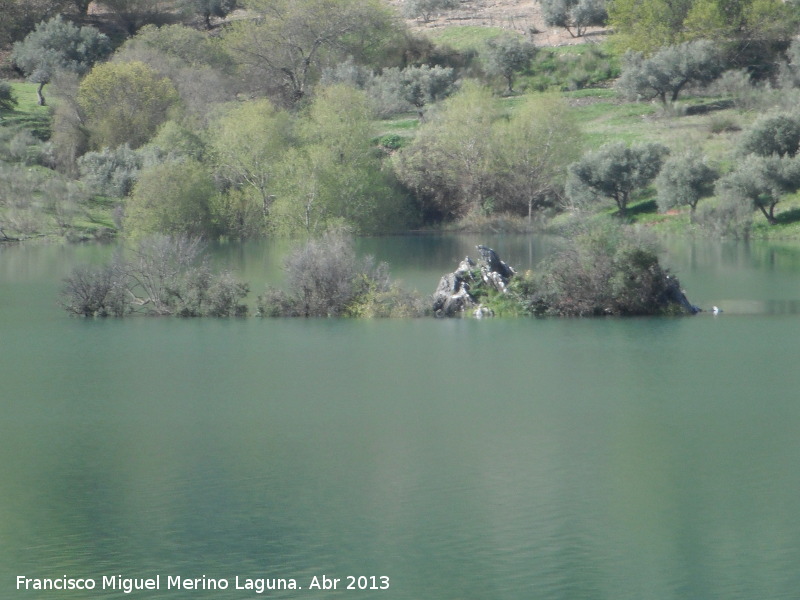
{"x": 360, "y": 123}
{"x": 603, "y": 269}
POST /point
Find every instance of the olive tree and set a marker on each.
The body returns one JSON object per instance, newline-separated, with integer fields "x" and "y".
{"x": 762, "y": 181}
{"x": 412, "y": 88}
{"x": 772, "y": 134}
{"x": 507, "y": 55}
{"x": 574, "y": 15}
{"x": 665, "y": 74}
{"x": 58, "y": 45}
{"x": 614, "y": 171}
{"x": 684, "y": 179}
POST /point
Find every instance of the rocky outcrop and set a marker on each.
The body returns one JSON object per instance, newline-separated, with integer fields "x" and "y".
{"x": 456, "y": 294}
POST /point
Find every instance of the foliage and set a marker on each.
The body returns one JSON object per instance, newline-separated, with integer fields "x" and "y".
{"x": 745, "y": 24}
{"x": 669, "y": 70}
{"x": 571, "y": 68}
{"x": 574, "y": 15}
{"x": 173, "y": 198}
{"x": 426, "y": 8}
{"x": 292, "y": 40}
{"x": 248, "y": 144}
{"x": 334, "y": 174}
{"x": 132, "y": 15}
{"x": 58, "y": 45}
{"x": 684, "y": 179}
{"x": 606, "y": 270}
{"x": 762, "y": 181}
{"x": 125, "y": 103}
{"x": 531, "y": 149}
{"x": 8, "y": 100}
{"x": 326, "y": 279}
{"x": 164, "y": 276}
{"x": 772, "y": 135}
{"x": 209, "y": 8}
{"x": 507, "y": 55}
{"x": 398, "y": 90}
{"x": 614, "y": 171}
{"x": 726, "y": 217}
{"x": 110, "y": 172}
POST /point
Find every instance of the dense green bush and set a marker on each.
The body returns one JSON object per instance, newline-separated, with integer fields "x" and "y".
{"x": 726, "y": 217}
{"x": 109, "y": 172}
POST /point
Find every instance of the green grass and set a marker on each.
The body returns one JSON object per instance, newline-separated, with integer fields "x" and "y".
{"x": 465, "y": 38}
{"x": 28, "y": 114}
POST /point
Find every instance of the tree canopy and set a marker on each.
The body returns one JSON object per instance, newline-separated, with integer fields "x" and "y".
{"x": 58, "y": 45}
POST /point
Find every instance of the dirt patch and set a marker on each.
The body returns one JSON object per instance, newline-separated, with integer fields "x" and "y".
{"x": 523, "y": 16}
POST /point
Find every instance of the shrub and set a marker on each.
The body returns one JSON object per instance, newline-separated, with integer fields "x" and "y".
{"x": 426, "y": 8}
{"x": 727, "y": 217}
{"x": 507, "y": 55}
{"x": 608, "y": 270}
{"x": 8, "y": 100}
{"x": 109, "y": 172}
{"x": 325, "y": 279}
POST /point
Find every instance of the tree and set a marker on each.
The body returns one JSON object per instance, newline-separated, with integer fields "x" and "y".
{"x": 173, "y": 198}
{"x": 773, "y": 134}
{"x": 761, "y": 181}
{"x": 413, "y": 9}
{"x": 125, "y": 103}
{"x": 292, "y": 40}
{"x": 450, "y": 165}
{"x": 684, "y": 179}
{"x": 669, "y": 70}
{"x": 334, "y": 176}
{"x": 532, "y": 148}
{"x": 412, "y": 88}
{"x": 574, "y": 15}
{"x": 248, "y": 145}
{"x": 506, "y": 56}
{"x": 614, "y": 171}
{"x": 57, "y": 45}
{"x": 210, "y": 8}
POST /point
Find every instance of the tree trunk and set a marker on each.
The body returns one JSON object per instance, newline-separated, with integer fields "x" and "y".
{"x": 40, "y": 95}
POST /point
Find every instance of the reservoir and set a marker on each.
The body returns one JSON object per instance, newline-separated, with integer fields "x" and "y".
{"x": 502, "y": 459}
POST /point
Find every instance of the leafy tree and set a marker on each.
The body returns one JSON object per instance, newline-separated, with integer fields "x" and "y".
{"x": 614, "y": 171}
{"x": 669, "y": 70}
{"x": 532, "y": 148}
{"x": 425, "y": 9}
{"x": 110, "y": 172}
{"x": 684, "y": 179}
{"x": 574, "y": 15}
{"x": 173, "y": 198}
{"x": 125, "y": 103}
{"x": 334, "y": 176}
{"x": 506, "y": 56}
{"x": 210, "y": 8}
{"x": 8, "y": 99}
{"x": 57, "y": 45}
{"x": 292, "y": 40}
{"x": 412, "y": 88}
{"x": 774, "y": 134}
{"x": 248, "y": 145}
{"x": 450, "y": 165}
{"x": 761, "y": 181}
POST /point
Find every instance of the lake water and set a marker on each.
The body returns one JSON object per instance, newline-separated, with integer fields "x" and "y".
{"x": 499, "y": 459}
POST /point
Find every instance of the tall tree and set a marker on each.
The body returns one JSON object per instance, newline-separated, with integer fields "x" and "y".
{"x": 58, "y": 45}
{"x": 291, "y": 40}
{"x": 125, "y": 103}
{"x": 508, "y": 55}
